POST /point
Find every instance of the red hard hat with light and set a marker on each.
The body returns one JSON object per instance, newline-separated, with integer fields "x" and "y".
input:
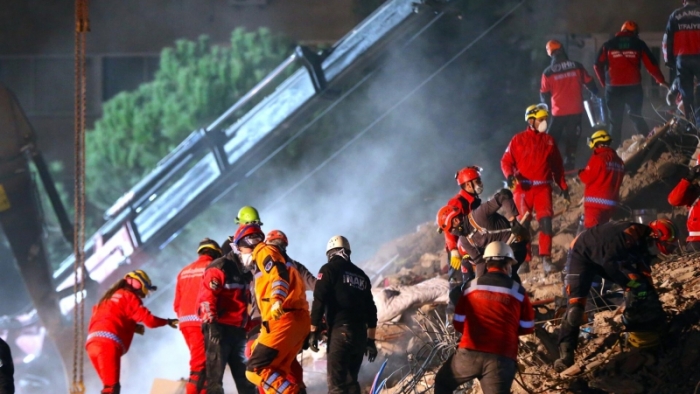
{"x": 552, "y": 45}
{"x": 275, "y": 235}
{"x": 630, "y": 26}
{"x": 664, "y": 233}
{"x": 247, "y": 230}
{"x": 445, "y": 216}
{"x": 467, "y": 174}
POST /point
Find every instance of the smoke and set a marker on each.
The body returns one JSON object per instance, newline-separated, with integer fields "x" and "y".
{"x": 377, "y": 186}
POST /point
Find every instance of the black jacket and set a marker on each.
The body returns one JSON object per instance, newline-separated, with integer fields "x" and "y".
{"x": 343, "y": 293}
{"x": 7, "y": 369}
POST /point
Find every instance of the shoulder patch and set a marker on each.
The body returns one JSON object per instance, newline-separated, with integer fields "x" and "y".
{"x": 269, "y": 265}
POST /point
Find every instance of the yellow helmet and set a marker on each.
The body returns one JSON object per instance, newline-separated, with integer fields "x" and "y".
{"x": 142, "y": 278}
{"x": 598, "y": 136}
{"x": 536, "y": 111}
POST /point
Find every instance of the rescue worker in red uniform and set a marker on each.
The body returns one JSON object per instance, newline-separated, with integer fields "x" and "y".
{"x": 681, "y": 49}
{"x": 279, "y": 239}
{"x": 618, "y": 68}
{"x": 223, "y": 301}
{"x": 602, "y": 176}
{"x": 115, "y": 319}
{"x": 281, "y": 297}
{"x": 530, "y": 164}
{"x": 492, "y": 312}
{"x": 562, "y": 87}
{"x": 686, "y": 194}
{"x": 187, "y": 287}
{"x": 469, "y": 181}
{"x": 619, "y": 252}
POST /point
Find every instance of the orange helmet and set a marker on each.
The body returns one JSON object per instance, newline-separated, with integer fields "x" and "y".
{"x": 277, "y": 235}
{"x": 664, "y": 233}
{"x": 467, "y": 174}
{"x": 630, "y": 26}
{"x": 445, "y": 216}
{"x": 552, "y": 45}
{"x": 248, "y": 234}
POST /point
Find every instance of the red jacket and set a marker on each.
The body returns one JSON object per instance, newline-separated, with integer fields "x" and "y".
{"x": 619, "y": 61}
{"x": 115, "y": 319}
{"x": 465, "y": 202}
{"x": 224, "y": 293}
{"x": 602, "y": 176}
{"x": 682, "y": 36}
{"x": 534, "y": 159}
{"x": 687, "y": 194}
{"x": 189, "y": 280}
{"x": 492, "y": 312}
{"x": 563, "y": 81}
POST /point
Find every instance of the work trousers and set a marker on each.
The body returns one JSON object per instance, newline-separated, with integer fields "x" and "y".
{"x": 105, "y": 355}
{"x": 567, "y": 130}
{"x": 346, "y": 348}
{"x": 225, "y": 345}
{"x": 537, "y": 198}
{"x": 594, "y": 215}
{"x": 688, "y": 68}
{"x": 296, "y": 374}
{"x": 279, "y": 343}
{"x": 495, "y": 372}
{"x": 617, "y": 99}
{"x": 198, "y": 359}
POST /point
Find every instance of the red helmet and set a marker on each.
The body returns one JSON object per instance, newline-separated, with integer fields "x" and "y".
{"x": 445, "y": 216}
{"x": 630, "y": 26}
{"x": 552, "y": 45}
{"x": 467, "y": 174}
{"x": 245, "y": 232}
{"x": 277, "y": 235}
{"x": 664, "y": 233}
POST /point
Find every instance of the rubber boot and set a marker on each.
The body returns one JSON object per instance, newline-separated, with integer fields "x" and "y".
{"x": 524, "y": 268}
{"x": 566, "y": 357}
{"x": 547, "y": 265}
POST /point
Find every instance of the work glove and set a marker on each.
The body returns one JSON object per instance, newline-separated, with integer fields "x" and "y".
{"x": 371, "y": 350}
{"x": 510, "y": 181}
{"x": 565, "y": 194}
{"x": 140, "y": 329}
{"x": 455, "y": 260}
{"x": 694, "y": 173}
{"x": 312, "y": 340}
{"x": 277, "y": 310}
{"x": 173, "y": 322}
{"x": 213, "y": 332}
{"x": 518, "y": 230}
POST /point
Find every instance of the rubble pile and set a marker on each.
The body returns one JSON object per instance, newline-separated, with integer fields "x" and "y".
{"x": 605, "y": 362}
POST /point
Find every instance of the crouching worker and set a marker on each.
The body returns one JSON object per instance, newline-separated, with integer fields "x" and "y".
{"x": 491, "y": 313}
{"x": 281, "y": 297}
{"x": 619, "y": 252}
{"x": 114, "y": 321}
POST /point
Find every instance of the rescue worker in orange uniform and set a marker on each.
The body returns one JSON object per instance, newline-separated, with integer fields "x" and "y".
{"x": 189, "y": 282}
{"x": 686, "y": 194}
{"x": 470, "y": 185}
{"x": 115, "y": 319}
{"x": 530, "y": 164}
{"x": 603, "y": 177}
{"x": 281, "y": 297}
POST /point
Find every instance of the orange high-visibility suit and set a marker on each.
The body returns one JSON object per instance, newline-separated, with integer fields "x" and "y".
{"x": 280, "y": 340}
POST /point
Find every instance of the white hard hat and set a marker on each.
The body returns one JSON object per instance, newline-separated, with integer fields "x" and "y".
{"x": 498, "y": 251}
{"x": 338, "y": 241}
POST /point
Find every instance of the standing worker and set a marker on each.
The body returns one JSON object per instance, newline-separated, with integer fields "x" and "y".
{"x": 114, "y": 321}
{"x": 223, "y": 300}
{"x": 280, "y": 295}
{"x": 619, "y": 252}
{"x": 344, "y": 295}
{"x": 687, "y": 193}
{"x": 470, "y": 185}
{"x": 492, "y": 312}
{"x": 618, "y": 68}
{"x": 530, "y": 164}
{"x": 7, "y": 369}
{"x": 562, "y": 87}
{"x": 682, "y": 53}
{"x": 602, "y": 176}
{"x": 187, "y": 287}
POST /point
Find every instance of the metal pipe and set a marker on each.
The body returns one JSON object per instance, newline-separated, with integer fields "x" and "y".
{"x": 252, "y": 92}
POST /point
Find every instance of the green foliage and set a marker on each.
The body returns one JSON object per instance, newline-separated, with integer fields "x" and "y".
{"x": 197, "y": 81}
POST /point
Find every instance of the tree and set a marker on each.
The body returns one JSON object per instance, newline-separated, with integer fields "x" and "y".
{"x": 196, "y": 82}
